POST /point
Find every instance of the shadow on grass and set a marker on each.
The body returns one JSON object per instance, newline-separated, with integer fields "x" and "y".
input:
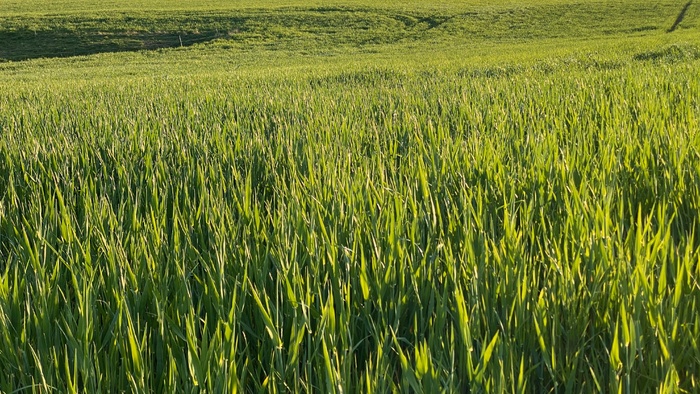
{"x": 26, "y": 44}
{"x": 70, "y": 35}
{"x": 680, "y": 17}
{"x": 671, "y": 54}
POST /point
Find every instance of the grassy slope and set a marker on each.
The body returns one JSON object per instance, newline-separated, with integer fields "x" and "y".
{"x": 299, "y": 206}
{"x": 263, "y": 40}
{"x": 325, "y": 30}
{"x": 69, "y": 6}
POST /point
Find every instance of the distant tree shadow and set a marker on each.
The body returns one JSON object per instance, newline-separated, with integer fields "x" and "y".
{"x": 44, "y": 38}
{"x": 26, "y": 44}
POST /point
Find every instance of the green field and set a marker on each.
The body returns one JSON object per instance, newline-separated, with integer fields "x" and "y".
{"x": 338, "y": 196}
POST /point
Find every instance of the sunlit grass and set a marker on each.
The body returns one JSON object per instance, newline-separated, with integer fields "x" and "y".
{"x": 453, "y": 218}
{"x": 370, "y": 230}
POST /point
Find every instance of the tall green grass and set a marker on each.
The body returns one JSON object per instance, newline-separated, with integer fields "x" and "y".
{"x": 493, "y": 229}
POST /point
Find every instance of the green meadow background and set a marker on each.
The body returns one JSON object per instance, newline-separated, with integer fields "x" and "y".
{"x": 345, "y": 196}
